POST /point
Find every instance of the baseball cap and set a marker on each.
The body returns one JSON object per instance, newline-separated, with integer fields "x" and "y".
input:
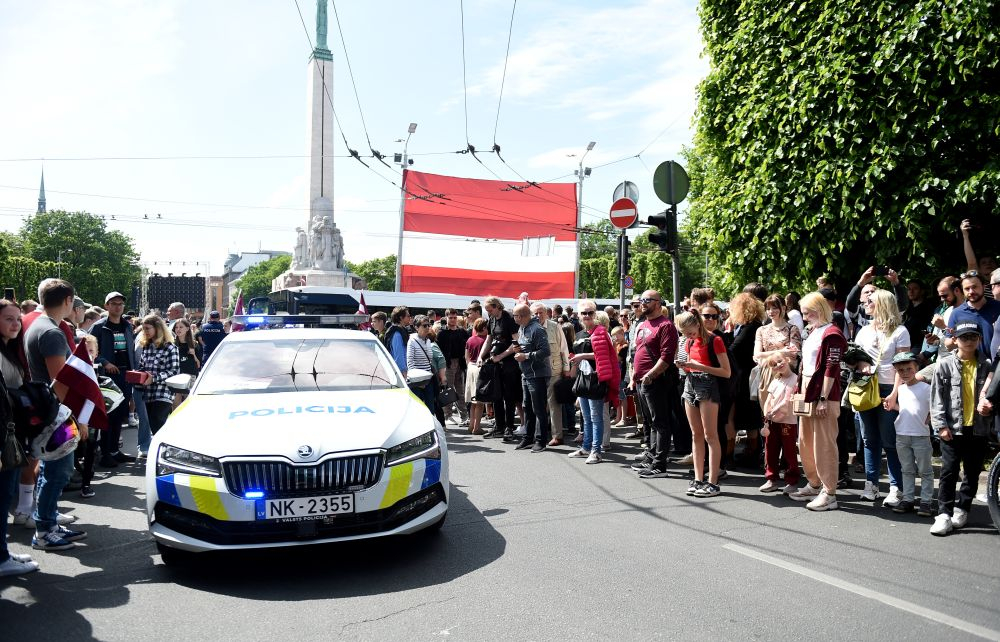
{"x": 214, "y": 314}
{"x": 968, "y": 327}
{"x": 904, "y": 357}
{"x": 112, "y": 295}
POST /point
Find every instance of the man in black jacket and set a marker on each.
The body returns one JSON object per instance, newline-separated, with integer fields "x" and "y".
{"x": 451, "y": 339}
{"x": 116, "y": 352}
{"x": 497, "y": 348}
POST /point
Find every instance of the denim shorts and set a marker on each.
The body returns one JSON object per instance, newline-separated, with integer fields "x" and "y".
{"x": 700, "y": 386}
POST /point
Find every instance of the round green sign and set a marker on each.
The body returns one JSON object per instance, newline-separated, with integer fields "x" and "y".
{"x": 670, "y": 182}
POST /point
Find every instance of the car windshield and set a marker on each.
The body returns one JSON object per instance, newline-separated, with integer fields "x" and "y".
{"x": 297, "y": 365}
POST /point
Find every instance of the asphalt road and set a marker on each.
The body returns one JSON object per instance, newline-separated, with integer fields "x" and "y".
{"x": 536, "y": 547}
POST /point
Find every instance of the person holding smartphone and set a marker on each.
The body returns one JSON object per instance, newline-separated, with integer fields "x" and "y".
{"x": 857, "y": 298}
{"x": 158, "y": 359}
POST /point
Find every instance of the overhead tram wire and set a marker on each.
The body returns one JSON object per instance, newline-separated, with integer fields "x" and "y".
{"x": 465, "y": 86}
{"x": 357, "y": 97}
{"x": 503, "y": 79}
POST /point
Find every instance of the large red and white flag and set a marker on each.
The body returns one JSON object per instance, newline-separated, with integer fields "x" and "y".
{"x": 82, "y": 393}
{"x": 363, "y": 309}
{"x": 238, "y": 327}
{"x": 480, "y": 237}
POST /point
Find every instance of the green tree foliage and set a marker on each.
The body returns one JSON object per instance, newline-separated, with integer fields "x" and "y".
{"x": 94, "y": 259}
{"x": 379, "y": 274}
{"x": 598, "y": 240}
{"x": 834, "y": 135}
{"x": 256, "y": 281}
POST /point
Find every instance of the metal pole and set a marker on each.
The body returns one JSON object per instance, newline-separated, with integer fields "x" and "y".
{"x": 402, "y": 205}
{"x": 579, "y": 223}
{"x": 675, "y": 267}
{"x": 622, "y": 270}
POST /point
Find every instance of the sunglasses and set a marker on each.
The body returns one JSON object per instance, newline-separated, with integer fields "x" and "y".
{"x": 587, "y": 314}
{"x": 992, "y": 283}
{"x": 710, "y": 316}
{"x": 968, "y": 274}
{"x": 644, "y": 300}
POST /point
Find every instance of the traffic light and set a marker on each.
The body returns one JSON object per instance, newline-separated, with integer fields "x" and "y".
{"x": 623, "y": 255}
{"x": 665, "y": 234}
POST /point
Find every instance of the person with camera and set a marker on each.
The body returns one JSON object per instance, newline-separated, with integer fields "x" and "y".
{"x": 854, "y": 306}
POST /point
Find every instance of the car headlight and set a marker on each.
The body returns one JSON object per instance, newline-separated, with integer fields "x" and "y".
{"x": 423, "y": 447}
{"x": 172, "y": 459}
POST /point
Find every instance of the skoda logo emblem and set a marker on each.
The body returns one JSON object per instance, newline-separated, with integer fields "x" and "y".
{"x": 305, "y": 451}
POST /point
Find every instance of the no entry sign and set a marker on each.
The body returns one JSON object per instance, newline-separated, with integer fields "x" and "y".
{"x": 624, "y": 213}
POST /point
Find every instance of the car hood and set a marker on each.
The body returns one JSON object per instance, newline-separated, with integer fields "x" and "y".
{"x": 280, "y": 423}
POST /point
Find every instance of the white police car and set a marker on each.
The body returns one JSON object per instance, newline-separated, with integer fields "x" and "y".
{"x": 295, "y": 436}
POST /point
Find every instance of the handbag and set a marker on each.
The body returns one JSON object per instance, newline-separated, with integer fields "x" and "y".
{"x": 863, "y": 393}
{"x": 801, "y": 407}
{"x": 447, "y": 396}
{"x": 588, "y": 386}
{"x": 487, "y": 386}
{"x": 11, "y": 452}
{"x": 755, "y": 383}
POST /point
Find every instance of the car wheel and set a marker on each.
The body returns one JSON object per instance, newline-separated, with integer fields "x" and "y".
{"x": 172, "y": 556}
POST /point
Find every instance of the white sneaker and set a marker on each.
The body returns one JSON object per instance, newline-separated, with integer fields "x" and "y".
{"x": 788, "y": 489}
{"x": 21, "y": 518}
{"x": 21, "y": 557}
{"x": 804, "y": 494}
{"x": 16, "y": 567}
{"x": 769, "y": 487}
{"x": 870, "y": 493}
{"x": 595, "y": 458}
{"x": 959, "y": 518}
{"x": 133, "y": 419}
{"x": 942, "y": 525}
{"x": 893, "y": 498}
{"x": 686, "y": 460}
{"x": 61, "y": 520}
{"x": 521, "y": 431}
{"x": 580, "y": 453}
{"x": 823, "y": 502}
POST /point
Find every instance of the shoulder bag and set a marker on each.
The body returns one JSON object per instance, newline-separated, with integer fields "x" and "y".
{"x": 863, "y": 393}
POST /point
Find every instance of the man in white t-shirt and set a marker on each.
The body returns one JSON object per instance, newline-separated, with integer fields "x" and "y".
{"x": 913, "y": 437}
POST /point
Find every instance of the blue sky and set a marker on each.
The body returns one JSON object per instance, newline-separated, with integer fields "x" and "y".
{"x": 181, "y": 78}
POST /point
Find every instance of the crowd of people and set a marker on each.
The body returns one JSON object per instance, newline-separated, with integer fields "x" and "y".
{"x": 885, "y": 372}
{"x": 135, "y": 354}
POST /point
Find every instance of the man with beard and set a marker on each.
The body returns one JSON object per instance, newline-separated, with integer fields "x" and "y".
{"x": 976, "y": 309}
{"x": 498, "y": 348}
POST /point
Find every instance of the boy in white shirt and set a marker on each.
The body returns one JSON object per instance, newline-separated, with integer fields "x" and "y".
{"x": 913, "y": 437}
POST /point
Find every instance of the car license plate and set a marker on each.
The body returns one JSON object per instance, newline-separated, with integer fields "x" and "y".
{"x": 298, "y": 508}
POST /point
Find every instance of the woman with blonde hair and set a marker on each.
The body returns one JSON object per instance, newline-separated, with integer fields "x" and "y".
{"x": 595, "y": 353}
{"x": 158, "y": 359}
{"x": 882, "y": 339}
{"x": 746, "y": 312}
{"x": 820, "y": 387}
{"x": 707, "y": 365}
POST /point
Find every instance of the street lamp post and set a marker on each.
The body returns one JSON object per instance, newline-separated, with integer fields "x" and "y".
{"x": 403, "y": 162}
{"x": 59, "y": 262}
{"x": 581, "y": 174}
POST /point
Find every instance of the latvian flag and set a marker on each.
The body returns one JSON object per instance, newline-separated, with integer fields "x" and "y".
{"x": 82, "y": 393}
{"x": 363, "y": 309}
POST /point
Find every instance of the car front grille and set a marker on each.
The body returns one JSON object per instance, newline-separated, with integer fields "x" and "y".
{"x": 283, "y": 479}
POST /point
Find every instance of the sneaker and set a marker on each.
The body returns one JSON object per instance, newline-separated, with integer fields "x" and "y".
{"x": 87, "y": 492}
{"x": 123, "y": 458}
{"x": 580, "y": 453}
{"x": 686, "y": 460}
{"x": 20, "y": 557}
{"x": 51, "y": 541}
{"x": 893, "y": 498}
{"x": 22, "y": 518}
{"x": 924, "y": 510}
{"x": 652, "y": 473}
{"x": 870, "y": 493}
{"x": 805, "y": 494}
{"x": 959, "y": 518}
{"x": 524, "y": 444}
{"x": 133, "y": 419}
{"x": 788, "y": 489}
{"x": 723, "y": 474}
{"x": 639, "y": 464}
{"x": 61, "y": 520}
{"x": 17, "y": 567}
{"x": 633, "y": 435}
{"x": 643, "y": 456}
{"x": 521, "y": 431}
{"x": 823, "y": 502}
{"x": 845, "y": 481}
{"x": 595, "y": 458}
{"x": 904, "y": 506}
{"x": 68, "y": 534}
{"x": 769, "y": 487}
{"x": 537, "y": 448}
{"x": 708, "y": 490}
{"x": 693, "y": 487}
{"x": 140, "y": 455}
{"x": 942, "y": 525}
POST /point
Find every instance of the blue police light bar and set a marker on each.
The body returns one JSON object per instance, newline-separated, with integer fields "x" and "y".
{"x": 263, "y": 321}
{"x": 253, "y": 494}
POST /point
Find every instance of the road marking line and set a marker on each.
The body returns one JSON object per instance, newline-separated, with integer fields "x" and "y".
{"x": 903, "y": 605}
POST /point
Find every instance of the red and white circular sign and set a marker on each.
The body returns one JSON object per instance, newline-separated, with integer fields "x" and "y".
{"x": 624, "y": 213}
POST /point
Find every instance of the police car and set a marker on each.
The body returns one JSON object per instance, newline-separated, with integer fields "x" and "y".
{"x": 295, "y": 435}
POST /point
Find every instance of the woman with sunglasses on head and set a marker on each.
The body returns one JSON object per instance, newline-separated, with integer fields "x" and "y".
{"x": 159, "y": 359}
{"x": 706, "y": 362}
{"x": 747, "y": 313}
{"x": 820, "y": 386}
{"x": 420, "y": 355}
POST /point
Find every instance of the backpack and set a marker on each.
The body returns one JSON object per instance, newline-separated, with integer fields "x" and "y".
{"x": 391, "y": 332}
{"x": 727, "y": 387}
{"x": 34, "y": 407}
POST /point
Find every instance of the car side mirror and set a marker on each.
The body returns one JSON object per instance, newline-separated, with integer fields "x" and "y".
{"x": 180, "y": 382}
{"x": 417, "y": 378}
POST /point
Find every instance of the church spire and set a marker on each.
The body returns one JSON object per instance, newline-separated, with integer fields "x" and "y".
{"x": 41, "y": 195}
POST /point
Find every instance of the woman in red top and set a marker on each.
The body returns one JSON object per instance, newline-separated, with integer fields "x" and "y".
{"x": 473, "y": 346}
{"x": 701, "y": 398}
{"x": 602, "y": 358}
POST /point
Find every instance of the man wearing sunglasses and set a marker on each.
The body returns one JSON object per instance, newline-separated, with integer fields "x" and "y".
{"x": 655, "y": 377}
